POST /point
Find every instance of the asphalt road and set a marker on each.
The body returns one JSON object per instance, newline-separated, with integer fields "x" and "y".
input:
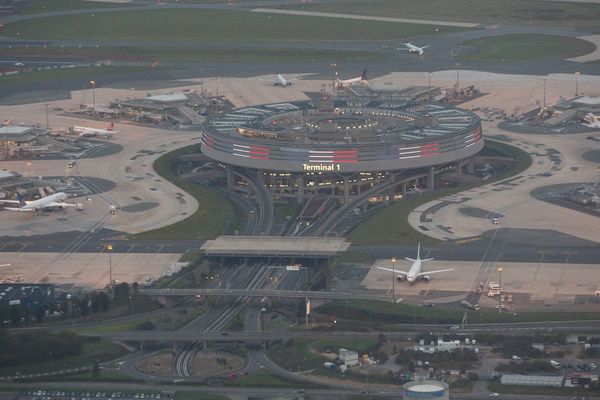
{"x": 402, "y": 330}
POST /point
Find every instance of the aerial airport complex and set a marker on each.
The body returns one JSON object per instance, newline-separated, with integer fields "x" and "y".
{"x": 188, "y": 214}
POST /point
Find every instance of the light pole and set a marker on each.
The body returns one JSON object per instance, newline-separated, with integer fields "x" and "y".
{"x": 93, "y": 95}
{"x": 5, "y": 144}
{"x": 500, "y": 273}
{"x": 544, "y": 99}
{"x": 577, "y": 83}
{"x": 394, "y": 280}
{"x": 109, "y": 249}
{"x": 335, "y": 74}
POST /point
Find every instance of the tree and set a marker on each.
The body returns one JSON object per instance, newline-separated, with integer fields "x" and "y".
{"x": 40, "y": 312}
{"x": 96, "y": 369}
{"x": 15, "y": 314}
{"x": 104, "y": 301}
{"x": 84, "y": 306}
{"x": 95, "y": 302}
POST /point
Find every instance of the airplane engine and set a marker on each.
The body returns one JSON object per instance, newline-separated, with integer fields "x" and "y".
{"x": 426, "y": 278}
{"x": 399, "y": 278}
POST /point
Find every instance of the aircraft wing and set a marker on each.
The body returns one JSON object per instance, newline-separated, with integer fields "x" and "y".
{"x": 394, "y": 270}
{"x": 435, "y": 272}
{"x": 18, "y": 209}
{"x": 10, "y": 201}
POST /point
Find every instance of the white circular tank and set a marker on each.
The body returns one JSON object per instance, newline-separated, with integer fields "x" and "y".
{"x": 430, "y": 390}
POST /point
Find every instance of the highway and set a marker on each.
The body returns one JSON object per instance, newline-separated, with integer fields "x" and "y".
{"x": 401, "y": 332}
{"x": 297, "y": 294}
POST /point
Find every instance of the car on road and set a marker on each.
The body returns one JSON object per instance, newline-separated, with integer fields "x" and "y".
{"x": 494, "y": 394}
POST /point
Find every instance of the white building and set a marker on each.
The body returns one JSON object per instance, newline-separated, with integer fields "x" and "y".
{"x": 348, "y": 357}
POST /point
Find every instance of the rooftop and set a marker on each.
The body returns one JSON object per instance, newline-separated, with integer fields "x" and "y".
{"x": 259, "y": 246}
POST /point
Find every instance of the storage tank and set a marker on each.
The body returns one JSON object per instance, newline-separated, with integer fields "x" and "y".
{"x": 430, "y": 390}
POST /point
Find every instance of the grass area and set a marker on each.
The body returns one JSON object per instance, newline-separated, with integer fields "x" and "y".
{"x": 113, "y": 327}
{"x": 220, "y": 26}
{"x": 527, "y": 46}
{"x": 304, "y": 354}
{"x": 207, "y": 222}
{"x": 68, "y": 73}
{"x": 385, "y": 312}
{"x": 185, "y": 395}
{"x": 42, "y": 6}
{"x": 182, "y": 54}
{"x": 262, "y": 378}
{"x": 537, "y": 12}
{"x": 92, "y": 350}
{"x": 389, "y": 225}
{"x": 106, "y": 375}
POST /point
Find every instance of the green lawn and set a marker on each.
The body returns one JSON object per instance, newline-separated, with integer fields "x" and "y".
{"x": 209, "y": 26}
{"x": 63, "y": 73}
{"x": 487, "y": 12}
{"x": 207, "y": 222}
{"x": 385, "y": 312}
{"x": 523, "y": 47}
{"x": 389, "y": 225}
{"x": 185, "y": 395}
{"x": 42, "y": 6}
{"x": 168, "y": 55}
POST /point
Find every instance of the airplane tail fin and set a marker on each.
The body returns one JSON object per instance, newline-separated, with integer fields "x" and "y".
{"x": 419, "y": 251}
{"x": 21, "y": 200}
{"x": 363, "y": 76}
{"x": 111, "y": 126}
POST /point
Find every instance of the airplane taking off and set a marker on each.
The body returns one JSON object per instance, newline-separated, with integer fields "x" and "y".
{"x": 414, "y": 272}
{"x": 411, "y": 48}
{"x": 281, "y": 81}
{"x": 54, "y": 200}
{"x": 362, "y": 79}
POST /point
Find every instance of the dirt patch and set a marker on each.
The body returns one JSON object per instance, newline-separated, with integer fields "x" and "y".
{"x": 160, "y": 364}
{"x": 214, "y": 363}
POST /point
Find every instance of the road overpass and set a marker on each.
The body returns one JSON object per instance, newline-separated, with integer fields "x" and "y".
{"x": 297, "y": 294}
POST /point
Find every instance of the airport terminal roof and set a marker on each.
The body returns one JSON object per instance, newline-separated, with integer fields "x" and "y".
{"x": 588, "y": 100}
{"x": 169, "y": 97}
{"x": 274, "y": 246}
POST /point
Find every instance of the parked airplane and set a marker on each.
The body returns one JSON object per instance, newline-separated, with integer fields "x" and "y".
{"x": 281, "y": 81}
{"x": 362, "y": 79}
{"x": 592, "y": 120}
{"x": 411, "y": 48}
{"x": 89, "y": 132}
{"x": 414, "y": 272}
{"x": 54, "y": 200}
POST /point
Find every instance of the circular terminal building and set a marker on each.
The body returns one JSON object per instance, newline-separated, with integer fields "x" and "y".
{"x": 296, "y": 149}
{"x": 430, "y": 390}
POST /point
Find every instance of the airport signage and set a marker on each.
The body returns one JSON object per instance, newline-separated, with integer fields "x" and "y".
{"x": 321, "y": 167}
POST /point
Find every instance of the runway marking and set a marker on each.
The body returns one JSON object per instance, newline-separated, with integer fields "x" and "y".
{"x": 365, "y": 17}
